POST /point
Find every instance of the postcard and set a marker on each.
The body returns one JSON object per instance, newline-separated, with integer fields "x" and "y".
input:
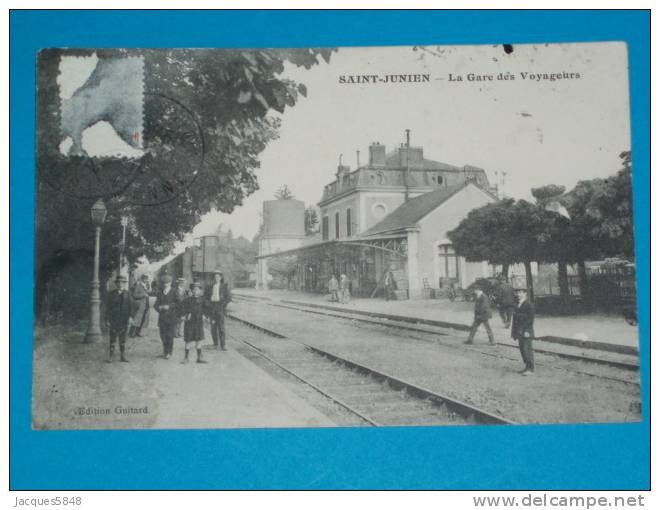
{"x": 334, "y": 237}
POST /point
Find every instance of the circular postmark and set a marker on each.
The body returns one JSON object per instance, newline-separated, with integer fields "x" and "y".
{"x": 174, "y": 152}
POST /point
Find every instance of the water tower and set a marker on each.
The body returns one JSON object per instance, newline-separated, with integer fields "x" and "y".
{"x": 283, "y": 229}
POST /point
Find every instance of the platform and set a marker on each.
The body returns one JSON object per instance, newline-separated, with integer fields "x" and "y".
{"x": 74, "y": 388}
{"x": 611, "y": 329}
{"x": 229, "y": 392}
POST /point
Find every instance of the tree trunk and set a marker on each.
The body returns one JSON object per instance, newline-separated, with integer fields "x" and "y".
{"x": 584, "y": 284}
{"x": 530, "y": 280}
{"x": 505, "y": 271}
{"x": 562, "y": 280}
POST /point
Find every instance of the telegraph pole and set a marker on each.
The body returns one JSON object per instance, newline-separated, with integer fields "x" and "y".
{"x": 407, "y": 177}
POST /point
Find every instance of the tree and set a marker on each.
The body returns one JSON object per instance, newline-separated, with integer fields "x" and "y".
{"x": 230, "y": 94}
{"x": 555, "y": 235}
{"x": 600, "y": 223}
{"x": 284, "y": 193}
{"x": 504, "y": 232}
{"x": 283, "y": 269}
{"x": 611, "y": 203}
{"x": 311, "y": 220}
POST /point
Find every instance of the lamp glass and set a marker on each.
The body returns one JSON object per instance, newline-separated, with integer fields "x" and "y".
{"x": 98, "y": 213}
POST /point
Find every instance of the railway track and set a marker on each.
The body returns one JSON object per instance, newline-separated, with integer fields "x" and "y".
{"x": 375, "y": 397}
{"x": 426, "y": 334}
{"x": 382, "y": 320}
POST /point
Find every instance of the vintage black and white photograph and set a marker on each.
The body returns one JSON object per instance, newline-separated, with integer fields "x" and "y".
{"x": 334, "y": 237}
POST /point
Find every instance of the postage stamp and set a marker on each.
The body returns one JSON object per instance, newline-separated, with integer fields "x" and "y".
{"x": 101, "y": 106}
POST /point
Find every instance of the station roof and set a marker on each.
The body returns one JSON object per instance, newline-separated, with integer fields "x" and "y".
{"x": 409, "y": 213}
{"x": 348, "y": 241}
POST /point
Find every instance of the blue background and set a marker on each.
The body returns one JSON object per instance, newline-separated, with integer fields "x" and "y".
{"x": 613, "y": 456}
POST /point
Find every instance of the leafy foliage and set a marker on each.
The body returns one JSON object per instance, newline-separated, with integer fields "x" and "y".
{"x": 311, "y": 220}
{"x": 230, "y": 93}
{"x": 284, "y": 193}
{"x": 508, "y": 231}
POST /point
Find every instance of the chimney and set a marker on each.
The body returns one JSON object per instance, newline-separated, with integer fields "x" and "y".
{"x": 342, "y": 170}
{"x": 376, "y": 154}
{"x": 410, "y": 157}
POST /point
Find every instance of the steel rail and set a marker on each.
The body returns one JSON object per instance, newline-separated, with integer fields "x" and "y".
{"x": 464, "y": 409}
{"x": 302, "y": 379}
{"x": 351, "y": 315}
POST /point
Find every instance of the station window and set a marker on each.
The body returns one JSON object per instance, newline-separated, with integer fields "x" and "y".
{"x": 348, "y": 222}
{"x": 336, "y": 225}
{"x": 325, "y": 230}
{"x": 448, "y": 261}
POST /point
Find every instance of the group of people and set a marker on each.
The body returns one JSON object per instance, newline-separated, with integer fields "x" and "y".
{"x": 180, "y": 311}
{"x": 517, "y": 312}
{"x": 340, "y": 290}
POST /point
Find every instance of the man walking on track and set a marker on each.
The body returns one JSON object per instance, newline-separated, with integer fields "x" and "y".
{"x": 482, "y": 314}
{"x": 140, "y": 295}
{"x": 166, "y": 305}
{"x": 117, "y": 316}
{"x": 522, "y": 329}
{"x": 217, "y": 297}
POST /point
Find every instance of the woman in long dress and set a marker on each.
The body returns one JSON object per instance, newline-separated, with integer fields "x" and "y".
{"x": 140, "y": 300}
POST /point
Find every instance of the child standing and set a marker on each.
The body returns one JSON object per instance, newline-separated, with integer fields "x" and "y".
{"x": 193, "y": 310}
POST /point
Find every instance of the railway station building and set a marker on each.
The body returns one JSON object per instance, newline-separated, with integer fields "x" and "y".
{"x": 391, "y": 214}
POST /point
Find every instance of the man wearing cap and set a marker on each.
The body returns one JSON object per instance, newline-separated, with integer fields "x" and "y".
{"x": 522, "y": 330}
{"x": 166, "y": 306}
{"x": 217, "y": 297}
{"x": 140, "y": 296}
{"x": 117, "y": 316}
{"x": 181, "y": 294}
{"x": 482, "y": 314}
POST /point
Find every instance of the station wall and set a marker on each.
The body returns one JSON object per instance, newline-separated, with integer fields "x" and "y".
{"x": 433, "y": 232}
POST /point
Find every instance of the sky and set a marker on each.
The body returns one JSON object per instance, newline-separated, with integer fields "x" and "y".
{"x": 538, "y": 132}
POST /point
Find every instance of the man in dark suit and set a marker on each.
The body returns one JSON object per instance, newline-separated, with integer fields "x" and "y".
{"x": 166, "y": 305}
{"x": 217, "y": 297}
{"x": 506, "y": 302}
{"x": 522, "y": 329}
{"x": 482, "y": 314}
{"x": 117, "y": 316}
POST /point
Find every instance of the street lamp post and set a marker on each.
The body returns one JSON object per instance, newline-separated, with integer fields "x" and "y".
{"x": 94, "y": 329}
{"x": 122, "y": 247}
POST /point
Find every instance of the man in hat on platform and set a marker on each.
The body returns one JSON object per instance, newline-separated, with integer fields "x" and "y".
{"x": 217, "y": 297}
{"x": 522, "y": 330}
{"x": 482, "y": 314}
{"x": 140, "y": 298}
{"x": 181, "y": 295}
{"x": 166, "y": 306}
{"x": 117, "y": 317}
